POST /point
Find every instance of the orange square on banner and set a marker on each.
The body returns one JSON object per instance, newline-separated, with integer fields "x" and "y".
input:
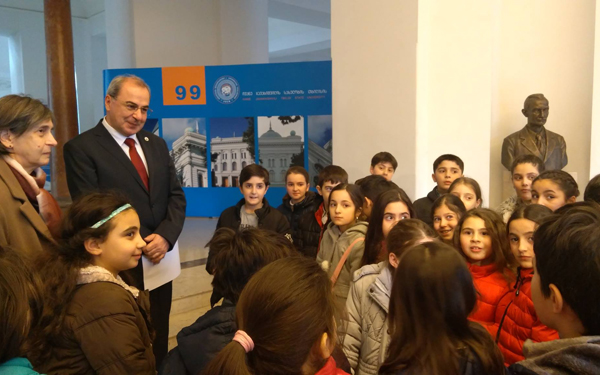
{"x": 184, "y": 85}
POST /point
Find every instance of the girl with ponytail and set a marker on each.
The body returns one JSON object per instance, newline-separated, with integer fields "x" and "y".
{"x": 286, "y": 324}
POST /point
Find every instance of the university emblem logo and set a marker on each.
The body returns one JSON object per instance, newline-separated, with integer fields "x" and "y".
{"x": 226, "y": 90}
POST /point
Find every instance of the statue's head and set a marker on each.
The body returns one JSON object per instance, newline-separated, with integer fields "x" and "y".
{"x": 536, "y": 108}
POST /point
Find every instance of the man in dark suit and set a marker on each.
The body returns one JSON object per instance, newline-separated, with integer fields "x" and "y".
{"x": 534, "y": 138}
{"x": 118, "y": 154}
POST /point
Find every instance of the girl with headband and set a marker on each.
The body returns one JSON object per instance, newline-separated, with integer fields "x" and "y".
{"x": 286, "y": 324}
{"x": 93, "y": 322}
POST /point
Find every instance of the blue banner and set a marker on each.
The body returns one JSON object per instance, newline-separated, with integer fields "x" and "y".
{"x": 218, "y": 119}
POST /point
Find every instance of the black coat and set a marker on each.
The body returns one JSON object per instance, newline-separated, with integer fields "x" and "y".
{"x": 293, "y": 213}
{"x": 310, "y": 230}
{"x": 268, "y": 218}
{"x": 423, "y": 206}
{"x": 469, "y": 365}
{"x": 199, "y": 343}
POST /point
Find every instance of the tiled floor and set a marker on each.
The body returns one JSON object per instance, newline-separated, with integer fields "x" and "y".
{"x": 192, "y": 289}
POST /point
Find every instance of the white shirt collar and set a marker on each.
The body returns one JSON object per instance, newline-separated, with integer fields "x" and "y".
{"x": 120, "y": 138}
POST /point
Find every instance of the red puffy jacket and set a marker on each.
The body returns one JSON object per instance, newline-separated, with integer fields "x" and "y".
{"x": 491, "y": 286}
{"x": 516, "y": 320}
{"x": 331, "y": 369}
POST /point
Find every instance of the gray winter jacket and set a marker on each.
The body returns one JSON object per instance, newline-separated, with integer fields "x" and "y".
{"x": 579, "y": 355}
{"x": 333, "y": 246}
{"x": 366, "y": 339}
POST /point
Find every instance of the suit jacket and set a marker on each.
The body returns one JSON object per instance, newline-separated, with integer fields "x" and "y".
{"x": 94, "y": 161}
{"x": 521, "y": 143}
{"x": 21, "y": 226}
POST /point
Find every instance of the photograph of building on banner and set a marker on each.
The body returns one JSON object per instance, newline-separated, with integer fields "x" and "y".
{"x": 280, "y": 145}
{"x": 231, "y": 149}
{"x": 319, "y": 145}
{"x": 186, "y": 140}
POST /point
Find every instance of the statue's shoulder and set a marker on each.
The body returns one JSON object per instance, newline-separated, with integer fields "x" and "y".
{"x": 551, "y": 134}
{"x": 516, "y": 135}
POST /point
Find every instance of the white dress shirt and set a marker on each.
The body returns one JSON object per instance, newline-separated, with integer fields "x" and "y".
{"x": 120, "y": 139}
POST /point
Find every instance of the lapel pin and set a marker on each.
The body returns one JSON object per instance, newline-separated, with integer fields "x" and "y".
{"x": 146, "y": 139}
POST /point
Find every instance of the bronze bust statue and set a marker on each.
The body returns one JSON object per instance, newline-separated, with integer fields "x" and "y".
{"x": 534, "y": 139}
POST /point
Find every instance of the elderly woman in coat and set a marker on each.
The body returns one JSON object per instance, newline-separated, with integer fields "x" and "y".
{"x": 26, "y": 141}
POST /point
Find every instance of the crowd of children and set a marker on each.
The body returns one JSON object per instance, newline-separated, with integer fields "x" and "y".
{"x": 350, "y": 279}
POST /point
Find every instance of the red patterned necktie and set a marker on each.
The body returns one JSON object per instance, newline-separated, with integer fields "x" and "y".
{"x": 137, "y": 161}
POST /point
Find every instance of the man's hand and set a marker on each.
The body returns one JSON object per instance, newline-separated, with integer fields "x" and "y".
{"x": 156, "y": 247}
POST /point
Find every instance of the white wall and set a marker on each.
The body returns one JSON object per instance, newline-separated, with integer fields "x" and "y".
{"x": 244, "y": 31}
{"x": 200, "y": 32}
{"x": 595, "y": 131}
{"x": 454, "y": 88}
{"x": 374, "y": 85}
{"x": 545, "y": 46}
{"x": 176, "y": 33}
{"x": 476, "y": 62}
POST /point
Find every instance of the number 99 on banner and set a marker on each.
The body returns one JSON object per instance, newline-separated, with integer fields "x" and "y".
{"x": 182, "y": 92}
{"x": 184, "y": 85}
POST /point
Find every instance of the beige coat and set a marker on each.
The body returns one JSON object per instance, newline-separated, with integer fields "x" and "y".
{"x": 364, "y": 336}
{"x": 21, "y": 226}
{"x": 333, "y": 246}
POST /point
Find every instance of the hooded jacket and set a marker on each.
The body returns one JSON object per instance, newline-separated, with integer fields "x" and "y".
{"x": 294, "y": 212}
{"x": 491, "y": 286}
{"x": 268, "y": 218}
{"x": 199, "y": 343}
{"x": 333, "y": 245}
{"x": 366, "y": 339}
{"x": 575, "y": 356}
{"x": 517, "y": 321}
{"x": 108, "y": 327}
{"x": 423, "y": 206}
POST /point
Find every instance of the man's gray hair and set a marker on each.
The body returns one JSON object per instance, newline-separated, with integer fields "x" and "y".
{"x": 115, "y": 85}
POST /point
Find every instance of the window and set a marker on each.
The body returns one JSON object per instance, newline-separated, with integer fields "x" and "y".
{"x": 234, "y": 166}
{"x": 216, "y": 167}
{"x": 5, "y": 85}
{"x": 224, "y": 166}
{"x": 200, "y": 180}
{"x": 243, "y": 164}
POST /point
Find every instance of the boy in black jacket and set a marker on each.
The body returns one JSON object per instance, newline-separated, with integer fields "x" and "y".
{"x": 253, "y": 210}
{"x": 311, "y": 224}
{"x": 446, "y": 169}
{"x": 199, "y": 343}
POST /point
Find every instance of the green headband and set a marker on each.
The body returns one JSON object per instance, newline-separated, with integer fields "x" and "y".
{"x": 113, "y": 214}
